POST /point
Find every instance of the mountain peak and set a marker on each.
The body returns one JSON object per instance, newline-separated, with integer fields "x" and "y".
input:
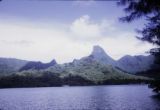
{"x": 97, "y": 50}
{"x": 100, "y": 55}
{"x": 53, "y": 62}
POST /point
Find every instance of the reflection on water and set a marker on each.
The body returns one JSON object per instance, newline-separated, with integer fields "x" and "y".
{"x": 117, "y": 97}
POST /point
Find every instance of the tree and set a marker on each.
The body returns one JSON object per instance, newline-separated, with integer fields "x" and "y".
{"x": 155, "y": 85}
{"x": 150, "y": 10}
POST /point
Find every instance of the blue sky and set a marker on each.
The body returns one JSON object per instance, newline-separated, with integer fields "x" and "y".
{"x": 63, "y": 11}
{"x": 64, "y": 30}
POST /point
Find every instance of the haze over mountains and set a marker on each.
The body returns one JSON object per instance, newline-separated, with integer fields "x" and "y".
{"x": 37, "y": 65}
{"x": 97, "y": 68}
{"x": 129, "y": 64}
{"x": 11, "y": 65}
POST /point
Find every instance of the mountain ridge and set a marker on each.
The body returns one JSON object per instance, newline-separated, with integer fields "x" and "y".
{"x": 37, "y": 65}
{"x": 10, "y": 65}
{"x": 128, "y": 63}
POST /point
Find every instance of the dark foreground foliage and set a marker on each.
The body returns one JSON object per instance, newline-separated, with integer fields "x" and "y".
{"x": 150, "y": 10}
{"x": 123, "y": 81}
{"x": 154, "y": 73}
{"x": 155, "y": 85}
{"x": 53, "y": 80}
{"x": 76, "y": 81}
{"x": 45, "y": 80}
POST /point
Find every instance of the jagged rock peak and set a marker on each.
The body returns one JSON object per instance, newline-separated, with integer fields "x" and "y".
{"x": 53, "y": 62}
{"x": 97, "y": 50}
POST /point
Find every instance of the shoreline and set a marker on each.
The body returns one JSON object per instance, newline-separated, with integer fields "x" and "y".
{"x": 75, "y": 86}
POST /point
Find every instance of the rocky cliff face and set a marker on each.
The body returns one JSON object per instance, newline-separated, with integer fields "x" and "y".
{"x": 101, "y": 56}
{"x": 130, "y": 64}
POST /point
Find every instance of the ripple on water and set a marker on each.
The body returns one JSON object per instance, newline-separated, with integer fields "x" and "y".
{"x": 113, "y": 97}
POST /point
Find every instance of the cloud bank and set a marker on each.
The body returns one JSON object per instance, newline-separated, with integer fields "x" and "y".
{"x": 33, "y": 41}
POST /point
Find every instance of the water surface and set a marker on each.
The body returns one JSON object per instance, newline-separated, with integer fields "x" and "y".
{"x": 113, "y": 97}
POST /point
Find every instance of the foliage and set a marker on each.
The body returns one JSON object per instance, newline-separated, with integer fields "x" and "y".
{"x": 91, "y": 70}
{"x": 46, "y": 80}
{"x": 124, "y": 81}
{"x": 155, "y": 85}
{"x": 150, "y": 9}
{"x": 154, "y": 72}
{"x": 76, "y": 81}
{"x": 53, "y": 80}
{"x": 139, "y": 8}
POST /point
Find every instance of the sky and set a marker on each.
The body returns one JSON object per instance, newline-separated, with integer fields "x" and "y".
{"x": 42, "y": 30}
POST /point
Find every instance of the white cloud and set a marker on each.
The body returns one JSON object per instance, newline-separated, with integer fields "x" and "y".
{"x": 45, "y": 43}
{"x": 84, "y": 28}
{"x": 124, "y": 45}
{"x": 16, "y": 42}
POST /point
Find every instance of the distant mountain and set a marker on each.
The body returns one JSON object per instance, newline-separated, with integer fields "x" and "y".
{"x": 154, "y": 72}
{"x": 10, "y": 65}
{"x": 100, "y": 55}
{"x": 88, "y": 68}
{"x": 134, "y": 64}
{"x": 130, "y": 64}
{"x": 37, "y": 65}
{"x": 127, "y": 64}
{"x": 97, "y": 68}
